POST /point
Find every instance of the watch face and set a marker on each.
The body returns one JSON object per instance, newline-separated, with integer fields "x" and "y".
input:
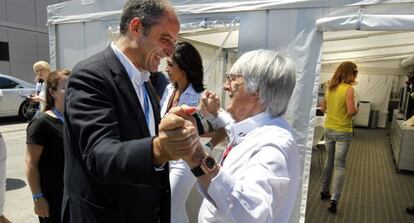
{"x": 210, "y": 162}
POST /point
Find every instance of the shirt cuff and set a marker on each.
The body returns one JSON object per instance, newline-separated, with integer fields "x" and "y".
{"x": 160, "y": 167}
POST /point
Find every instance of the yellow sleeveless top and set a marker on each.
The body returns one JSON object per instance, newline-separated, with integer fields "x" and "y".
{"x": 337, "y": 117}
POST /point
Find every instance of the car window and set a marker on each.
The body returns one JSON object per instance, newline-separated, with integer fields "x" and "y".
{"x": 8, "y": 84}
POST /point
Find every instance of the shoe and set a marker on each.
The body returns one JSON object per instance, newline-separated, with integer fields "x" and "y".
{"x": 332, "y": 206}
{"x": 325, "y": 195}
{"x": 410, "y": 210}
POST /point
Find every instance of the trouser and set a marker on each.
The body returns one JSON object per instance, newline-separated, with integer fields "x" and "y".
{"x": 182, "y": 182}
{"x": 337, "y": 146}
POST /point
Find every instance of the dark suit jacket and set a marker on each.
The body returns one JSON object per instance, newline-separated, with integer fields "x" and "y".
{"x": 109, "y": 172}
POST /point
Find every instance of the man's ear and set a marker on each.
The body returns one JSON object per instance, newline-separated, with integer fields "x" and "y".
{"x": 256, "y": 94}
{"x": 52, "y": 93}
{"x": 134, "y": 25}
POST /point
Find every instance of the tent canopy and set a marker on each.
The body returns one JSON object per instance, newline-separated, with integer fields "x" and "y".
{"x": 208, "y": 21}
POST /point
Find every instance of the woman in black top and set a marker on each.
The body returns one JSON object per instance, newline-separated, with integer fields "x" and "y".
{"x": 44, "y": 155}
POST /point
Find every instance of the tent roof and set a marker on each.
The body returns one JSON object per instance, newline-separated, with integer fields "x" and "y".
{"x": 213, "y": 6}
{"x": 343, "y": 45}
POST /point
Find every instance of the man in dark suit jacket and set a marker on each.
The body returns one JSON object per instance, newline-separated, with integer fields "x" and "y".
{"x": 116, "y": 161}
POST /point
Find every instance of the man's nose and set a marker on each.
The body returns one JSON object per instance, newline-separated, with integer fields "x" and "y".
{"x": 169, "y": 50}
{"x": 226, "y": 86}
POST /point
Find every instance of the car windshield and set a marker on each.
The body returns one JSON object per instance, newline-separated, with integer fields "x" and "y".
{"x": 8, "y": 82}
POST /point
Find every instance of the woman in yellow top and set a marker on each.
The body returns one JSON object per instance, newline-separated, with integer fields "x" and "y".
{"x": 339, "y": 107}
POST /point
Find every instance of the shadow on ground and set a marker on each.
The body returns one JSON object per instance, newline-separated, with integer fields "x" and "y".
{"x": 14, "y": 184}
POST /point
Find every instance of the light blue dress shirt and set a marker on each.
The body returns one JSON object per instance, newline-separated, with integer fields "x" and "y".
{"x": 138, "y": 78}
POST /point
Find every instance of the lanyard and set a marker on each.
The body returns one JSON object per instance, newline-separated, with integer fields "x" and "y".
{"x": 58, "y": 114}
{"x": 146, "y": 105}
{"x": 227, "y": 150}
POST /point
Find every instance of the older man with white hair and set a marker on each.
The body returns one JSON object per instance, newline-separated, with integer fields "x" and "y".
{"x": 258, "y": 176}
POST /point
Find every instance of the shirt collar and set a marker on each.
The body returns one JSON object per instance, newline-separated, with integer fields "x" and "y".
{"x": 135, "y": 75}
{"x": 239, "y": 130}
{"x": 190, "y": 90}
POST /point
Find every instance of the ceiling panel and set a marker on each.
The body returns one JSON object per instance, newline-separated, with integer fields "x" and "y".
{"x": 363, "y": 46}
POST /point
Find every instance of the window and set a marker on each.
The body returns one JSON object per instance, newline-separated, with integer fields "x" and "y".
{"x": 8, "y": 84}
{"x": 4, "y": 51}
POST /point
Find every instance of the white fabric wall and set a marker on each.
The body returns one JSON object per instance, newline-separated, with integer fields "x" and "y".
{"x": 375, "y": 89}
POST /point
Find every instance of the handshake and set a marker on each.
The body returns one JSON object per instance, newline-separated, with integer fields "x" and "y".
{"x": 178, "y": 137}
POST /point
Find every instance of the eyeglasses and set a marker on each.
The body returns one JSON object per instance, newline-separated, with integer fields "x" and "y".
{"x": 232, "y": 77}
{"x": 355, "y": 72}
{"x": 234, "y": 81}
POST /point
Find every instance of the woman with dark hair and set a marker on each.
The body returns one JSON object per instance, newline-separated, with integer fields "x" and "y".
{"x": 185, "y": 70}
{"x": 339, "y": 107}
{"x": 44, "y": 154}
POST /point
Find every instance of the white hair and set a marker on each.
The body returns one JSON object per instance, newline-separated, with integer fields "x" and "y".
{"x": 269, "y": 73}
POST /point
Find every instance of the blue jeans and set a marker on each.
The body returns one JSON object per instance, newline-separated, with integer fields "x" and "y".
{"x": 337, "y": 145}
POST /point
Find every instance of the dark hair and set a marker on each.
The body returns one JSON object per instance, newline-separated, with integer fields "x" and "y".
{"x": 189, "y": 60}
{"x": 52, "y": 85}
{"x": 345, "y": 73}
{"x": 149, "y": 11}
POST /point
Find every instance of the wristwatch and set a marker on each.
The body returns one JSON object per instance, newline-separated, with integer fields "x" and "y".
{"x": 208, "y": 162}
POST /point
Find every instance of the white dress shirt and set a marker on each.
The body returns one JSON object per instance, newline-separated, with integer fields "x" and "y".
{"x": 138, "y": 79}
{"x": 259, "y": 179}
{"x": 42, "y": 94}
{"x": 189, "y": 97}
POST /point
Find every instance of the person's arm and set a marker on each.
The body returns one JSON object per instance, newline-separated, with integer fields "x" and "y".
{"x": 323, "y": 104}
{"x": 33, "y": 153}
{"x": 37, "y": 98}
{"x": 350, "y": 103}
{"x": 248, "y": 197}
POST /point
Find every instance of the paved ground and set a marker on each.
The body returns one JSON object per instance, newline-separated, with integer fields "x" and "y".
{"x": 19, "y": 205}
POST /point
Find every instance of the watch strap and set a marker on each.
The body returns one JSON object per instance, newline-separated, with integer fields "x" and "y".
{"x": 197, "y": 171}
{"x": 209, "y": 163}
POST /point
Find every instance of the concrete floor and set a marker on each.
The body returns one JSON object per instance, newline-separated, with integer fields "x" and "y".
{"x": 19, "y": 204}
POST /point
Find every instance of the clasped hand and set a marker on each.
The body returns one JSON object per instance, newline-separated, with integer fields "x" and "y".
{"x": 209, "y": 103}
{"x": 177, "y": 136}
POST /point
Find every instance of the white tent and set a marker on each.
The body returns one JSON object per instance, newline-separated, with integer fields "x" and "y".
{"x": 79, "y": 28}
